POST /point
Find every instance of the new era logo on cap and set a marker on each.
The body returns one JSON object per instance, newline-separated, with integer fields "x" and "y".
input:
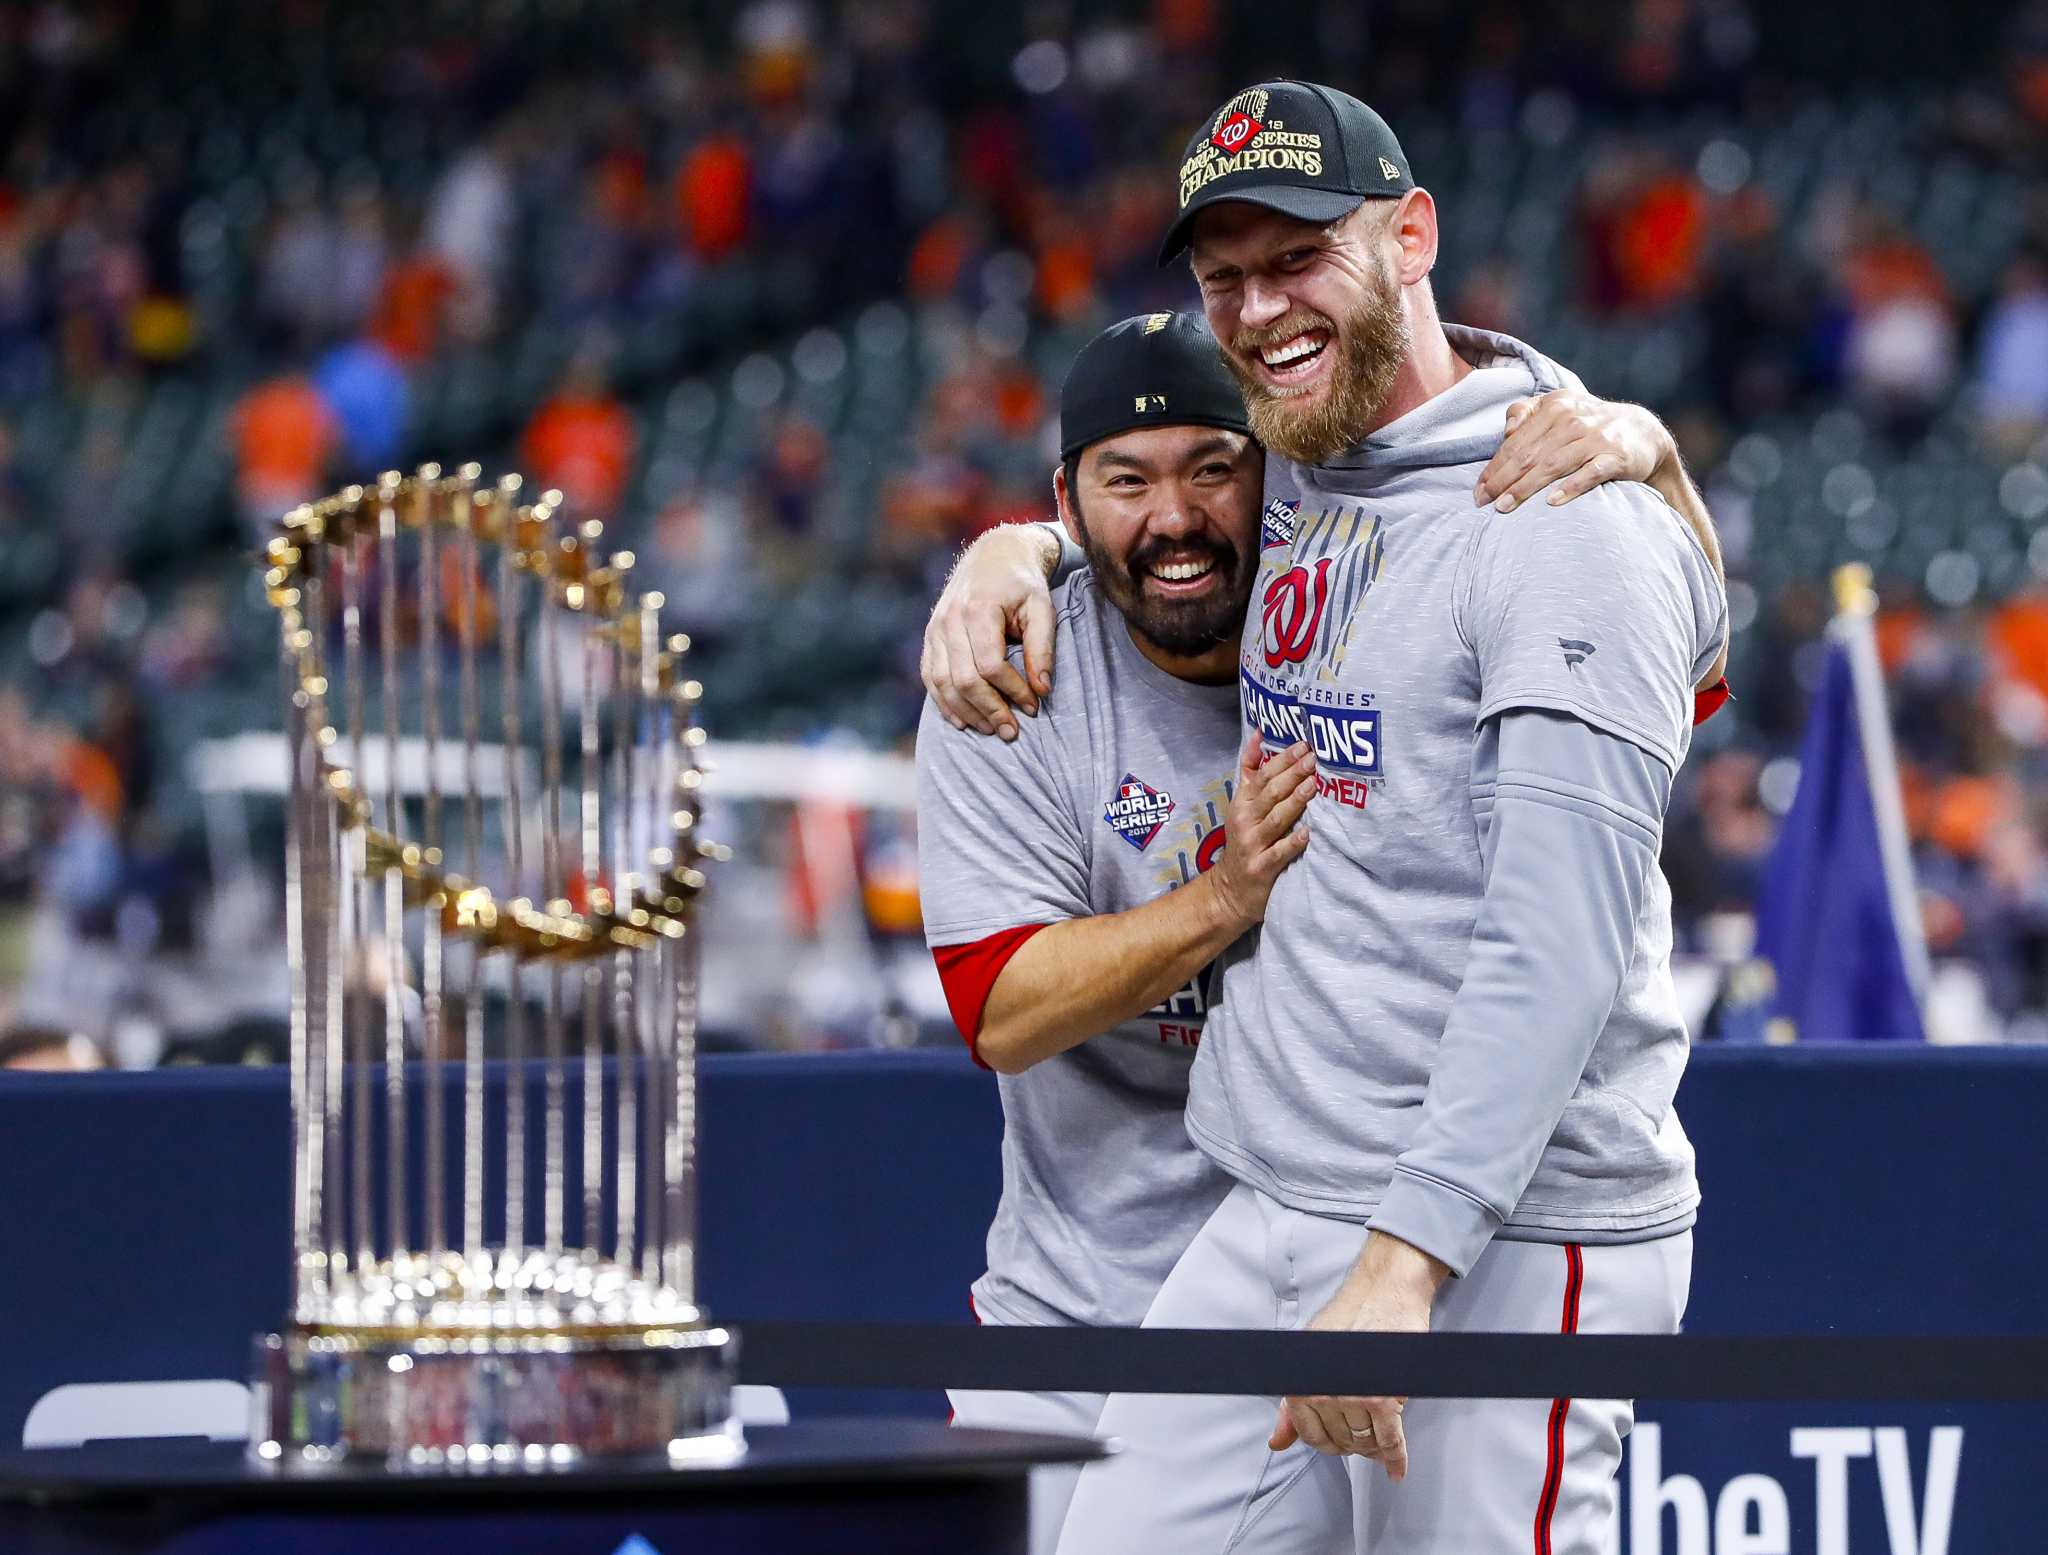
{"x": 1148, "y": 403}
{"x": 1388, "y": 171}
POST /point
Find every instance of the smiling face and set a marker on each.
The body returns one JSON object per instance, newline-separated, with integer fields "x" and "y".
{"x": 1169, "y": 518}
{"x": 1310, "y": 319}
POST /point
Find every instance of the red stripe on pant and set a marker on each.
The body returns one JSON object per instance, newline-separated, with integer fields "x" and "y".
{"x": 971, "y": 1307}
{"x": 1553, "y": 1464}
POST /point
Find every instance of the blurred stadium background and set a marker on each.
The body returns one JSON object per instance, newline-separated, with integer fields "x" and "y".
{"x": 784, "y": 292}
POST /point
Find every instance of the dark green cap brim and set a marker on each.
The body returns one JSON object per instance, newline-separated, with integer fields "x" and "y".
{"x": 1317, "y": 205}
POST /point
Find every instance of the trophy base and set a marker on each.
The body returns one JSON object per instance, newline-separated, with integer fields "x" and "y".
{"x": 493, "y": 1400}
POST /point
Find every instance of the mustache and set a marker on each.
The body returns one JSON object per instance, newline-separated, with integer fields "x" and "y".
{"x": 1295, "y": 321}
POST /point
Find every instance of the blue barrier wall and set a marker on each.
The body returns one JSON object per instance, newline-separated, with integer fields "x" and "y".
{"x": 1860, "y": 1191}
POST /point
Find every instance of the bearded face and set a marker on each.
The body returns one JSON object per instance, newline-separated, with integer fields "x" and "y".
{"x": 1314, "y": 385}
{"x": 1183, "y": 596}
{"x": 1168, "y": 518}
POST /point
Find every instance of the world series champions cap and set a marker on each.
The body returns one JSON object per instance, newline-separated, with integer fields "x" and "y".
{"x": 1304, "y": 150}
{"x": 1155, "y": 370}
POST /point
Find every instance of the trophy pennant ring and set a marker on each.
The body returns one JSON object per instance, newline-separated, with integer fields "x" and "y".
{"x": 494, "y": 778}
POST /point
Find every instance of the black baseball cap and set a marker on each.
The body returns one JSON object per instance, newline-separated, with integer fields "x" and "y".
{"x": 1155, "y": 370}
{"x": 1304, "y": 150}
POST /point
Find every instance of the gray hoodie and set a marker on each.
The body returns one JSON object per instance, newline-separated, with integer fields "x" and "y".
{"x": 1458, "y": 1020}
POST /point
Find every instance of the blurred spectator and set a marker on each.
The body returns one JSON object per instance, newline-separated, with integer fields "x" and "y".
{"x": 1759, "y": 300}
{"x": 284, "y": 437}
{"x": 470, "y": 218}
{"x": 699, "y": 556}
{"x": 360, "y": 255}
{"x": 1714, "y": 852}
{"x": 23, "y": 345}
{"x": 296, "y": 283}
{"x": 364, "y": 391}
{"x": 792, "y": 478}
{"x": 581, "y": 440}
{"x": 2012, "y": 356}
{"x": 189, "y": 645}
{"x": 1899, "y": 357}
{"x": 712, "y": 192}
{"x": 1645, "y": 223}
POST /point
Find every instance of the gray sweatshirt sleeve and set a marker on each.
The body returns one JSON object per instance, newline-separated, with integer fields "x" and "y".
{"x": 1568, "y": 843}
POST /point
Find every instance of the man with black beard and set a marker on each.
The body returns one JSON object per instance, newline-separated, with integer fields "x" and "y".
{"x": 1074, "y": 883}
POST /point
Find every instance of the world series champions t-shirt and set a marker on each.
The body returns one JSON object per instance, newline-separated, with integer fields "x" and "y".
{"x": 1392, "y": 619}
{"x": 1113, "y": 795}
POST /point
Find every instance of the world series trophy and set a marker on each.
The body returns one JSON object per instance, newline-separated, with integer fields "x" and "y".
{"x": 467, "y": 1337}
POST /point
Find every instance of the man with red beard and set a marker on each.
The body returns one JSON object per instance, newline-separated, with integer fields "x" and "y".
{"x": 1441, "y": 1075}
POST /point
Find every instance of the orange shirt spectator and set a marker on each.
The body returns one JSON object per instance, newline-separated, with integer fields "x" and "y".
{"x": 1893, "y": 269}
{"x": 1066, "y": 276}
{"x": 1659, "y": 241}
{"x": 407, "y": 320}
{"x": 1019, "y": 402}
{"x": 940, "y": 254}
{"x": 581, "y": 442}
{"x": 2018, "y": 636}
{"x": 712, "y": 191}
{"x": 283, "y": 436}
{"x": 1899, "y": 630}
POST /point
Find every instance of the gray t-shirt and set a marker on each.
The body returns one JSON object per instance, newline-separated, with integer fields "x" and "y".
{"x": 1392, "y": 619}
{"x": 1113, "y": 795}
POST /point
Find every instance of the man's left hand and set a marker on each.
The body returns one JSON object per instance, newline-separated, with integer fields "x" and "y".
{"x": 1577, "y": 441}
{"x": 1390, "y": 1290}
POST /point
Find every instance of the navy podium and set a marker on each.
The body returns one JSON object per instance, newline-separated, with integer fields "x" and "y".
{"x": 1881, "y": 1190}
{"x": 883, "y": 1487}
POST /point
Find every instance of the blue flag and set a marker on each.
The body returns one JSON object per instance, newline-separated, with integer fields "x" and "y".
{"x": 1837, "y": 886}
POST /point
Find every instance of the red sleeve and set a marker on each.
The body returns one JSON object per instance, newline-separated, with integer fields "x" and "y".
{"x": 968, "y": 972}
{"x": 1710, "y": 701}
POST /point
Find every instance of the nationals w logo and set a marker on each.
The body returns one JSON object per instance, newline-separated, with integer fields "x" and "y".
{"x": 1294, "y": 613}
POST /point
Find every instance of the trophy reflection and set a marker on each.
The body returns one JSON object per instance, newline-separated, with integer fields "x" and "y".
{"x": 494, "y": 780}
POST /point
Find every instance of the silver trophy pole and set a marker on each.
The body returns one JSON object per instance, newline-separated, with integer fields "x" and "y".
{"x": 432, "y": 1043}
{"x": 591, "y": 864}
{"x": 394, "y": 880}
{"x": 656, "y": 1011}
{"x": 512, "y": 735}
{"x": 679, "y": 1152}
{"x": 554, "y": 1183}
{"x": 308, "y": 986}
{"x": 353, "y": 929}
{"x": 625, "y": 903}
{"x": 467, "y": 604}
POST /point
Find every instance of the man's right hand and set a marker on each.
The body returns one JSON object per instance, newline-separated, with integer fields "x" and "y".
{"x": 1265, "y": 831}
{"x": 997, "y": 595}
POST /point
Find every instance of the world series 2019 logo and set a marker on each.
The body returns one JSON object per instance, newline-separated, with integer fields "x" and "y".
{"x": 1276, "y": 524}
{"x": 1137, "y": 810}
